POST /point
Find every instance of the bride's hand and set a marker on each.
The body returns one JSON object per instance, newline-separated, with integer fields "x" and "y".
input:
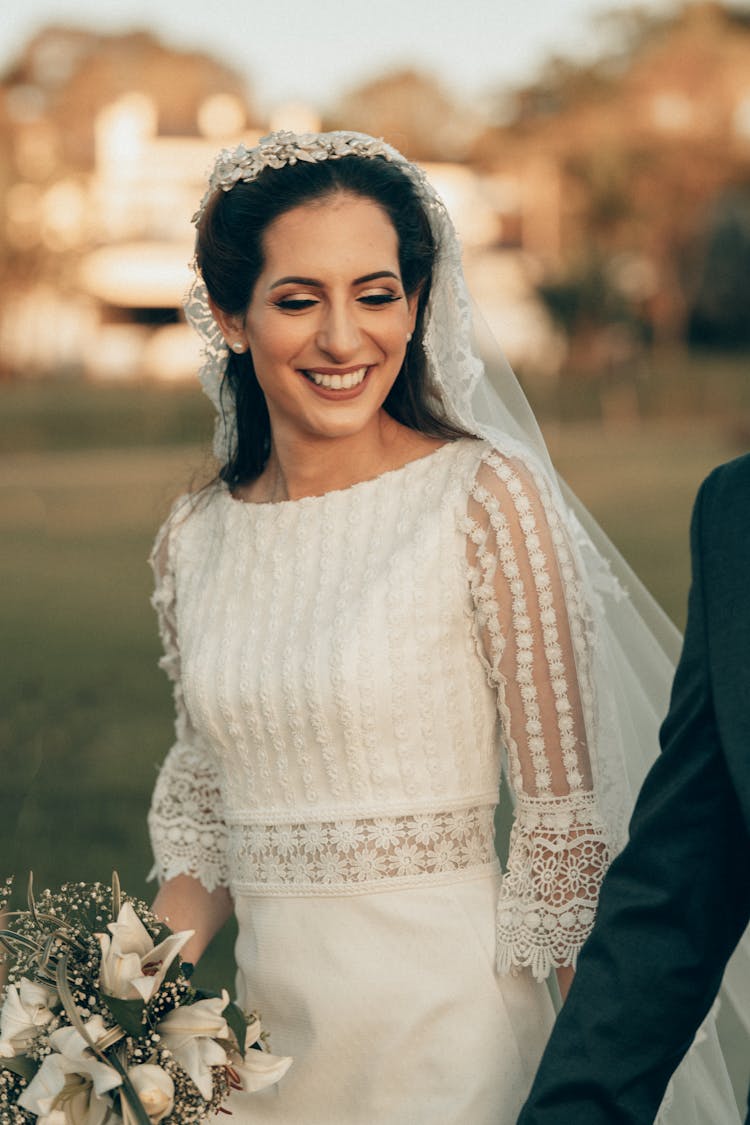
{"x": 565, "y": 979}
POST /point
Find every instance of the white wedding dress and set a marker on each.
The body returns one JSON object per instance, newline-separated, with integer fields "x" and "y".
{"x": 352, "y": 671}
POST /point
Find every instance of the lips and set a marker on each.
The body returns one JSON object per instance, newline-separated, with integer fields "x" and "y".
{"x": 337, "y": 381}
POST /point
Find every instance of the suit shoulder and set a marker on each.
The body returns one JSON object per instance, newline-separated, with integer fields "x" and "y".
{"x": 732, "y": 476}
{"x": 726, "y": 490}
{"x": 722, "y": 513}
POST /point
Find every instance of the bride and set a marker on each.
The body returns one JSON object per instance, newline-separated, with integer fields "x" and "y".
{"x": 382, "y": 604}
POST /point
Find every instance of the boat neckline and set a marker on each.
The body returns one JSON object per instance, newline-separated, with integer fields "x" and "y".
{"x": 303, "y": 501}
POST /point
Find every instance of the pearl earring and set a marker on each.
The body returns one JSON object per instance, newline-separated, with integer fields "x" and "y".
{"x": 408, "y": 337}
{"x": 237, "y": 347}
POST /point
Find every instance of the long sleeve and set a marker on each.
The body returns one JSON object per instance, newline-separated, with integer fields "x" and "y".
{"x": 672, "y": 908}
{"x": 533, "y": 638}
{"x": 186, "y": 825}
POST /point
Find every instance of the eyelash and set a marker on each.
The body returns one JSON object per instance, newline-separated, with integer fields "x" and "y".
{"x": 379, "y": 299}
{"x": 374, "y": 300}
{"x": 294, "y": 303}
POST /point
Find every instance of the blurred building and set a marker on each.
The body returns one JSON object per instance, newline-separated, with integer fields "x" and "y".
{"x": 142, "y": 194}
{"x": 107, "y": 143}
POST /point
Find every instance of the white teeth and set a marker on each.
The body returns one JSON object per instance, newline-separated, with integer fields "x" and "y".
{"x": 338, "y": 382}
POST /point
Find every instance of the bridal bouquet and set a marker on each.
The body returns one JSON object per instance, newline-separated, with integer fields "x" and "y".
{"x": 100, "y": 1025}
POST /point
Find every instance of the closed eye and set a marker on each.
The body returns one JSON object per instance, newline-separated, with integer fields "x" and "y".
{"x": 298, "y": 304}
{"x": 294, "y": 304}
{"x": 378, "y": 298}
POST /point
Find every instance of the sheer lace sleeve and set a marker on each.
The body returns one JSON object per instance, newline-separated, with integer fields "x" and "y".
{"x": 186, "y": 826}
{"x": 531, "y": 630}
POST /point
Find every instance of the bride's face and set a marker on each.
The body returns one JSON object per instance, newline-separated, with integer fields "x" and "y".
{"x": 328, "y": 322}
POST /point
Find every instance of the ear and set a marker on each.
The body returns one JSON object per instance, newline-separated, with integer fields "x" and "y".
{"x": 232, "y": 326}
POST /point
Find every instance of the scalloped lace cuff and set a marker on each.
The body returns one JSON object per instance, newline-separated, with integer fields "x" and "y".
{"x": 186, "y": 824}
{"x": 558, "y": 858}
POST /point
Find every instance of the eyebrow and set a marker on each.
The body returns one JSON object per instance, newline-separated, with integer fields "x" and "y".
{"x": 319, "y": 284}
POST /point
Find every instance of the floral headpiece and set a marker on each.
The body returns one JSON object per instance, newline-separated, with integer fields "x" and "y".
{"x": 279, "y": 149}
{"x": 448, "y": 318}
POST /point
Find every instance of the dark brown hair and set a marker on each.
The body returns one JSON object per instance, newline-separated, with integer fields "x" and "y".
{"x": 230, "y": 256}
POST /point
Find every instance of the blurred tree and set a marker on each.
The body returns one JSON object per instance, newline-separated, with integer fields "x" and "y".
{"x": 604, "y": 177}
{"x": 644, "y": 140}
{"x": 412, "y": 111}
{"x": 584, "y": 296}
{"x": 719, "y": 314}
{"x": 563, "y": 84}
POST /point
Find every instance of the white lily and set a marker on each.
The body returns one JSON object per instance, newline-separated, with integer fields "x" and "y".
{"x": 41, "y": 1093}
{"x": 25, "y": 1010}
{"x": 132, "y": 966}
{"x": 83, "y": 1106}
{"x": 259, "y": 1069}
{"x": 74, "y": 1074}
{"x": 190, "y": 1033}
{"x": 155, "y": 1089}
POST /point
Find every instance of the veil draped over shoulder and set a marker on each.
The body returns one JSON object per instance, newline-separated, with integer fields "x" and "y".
{"x": 634, "y": 647}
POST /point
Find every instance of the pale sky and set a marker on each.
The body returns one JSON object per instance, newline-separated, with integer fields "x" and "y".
{"x": 316, "y": 49}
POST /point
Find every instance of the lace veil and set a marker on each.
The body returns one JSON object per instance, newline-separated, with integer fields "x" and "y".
{"x": 634, "y": 645}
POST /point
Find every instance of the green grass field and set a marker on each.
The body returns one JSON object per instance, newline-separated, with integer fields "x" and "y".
{"x": 85, "y": 715}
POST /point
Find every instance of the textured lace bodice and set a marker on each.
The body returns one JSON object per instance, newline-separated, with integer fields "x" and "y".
{"x": 348, "y": 669}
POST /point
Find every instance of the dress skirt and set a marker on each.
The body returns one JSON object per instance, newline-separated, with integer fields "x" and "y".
{"x": 390, "y": 1004}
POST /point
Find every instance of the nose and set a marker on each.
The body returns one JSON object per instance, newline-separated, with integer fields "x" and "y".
{"x": 339, "y": 334}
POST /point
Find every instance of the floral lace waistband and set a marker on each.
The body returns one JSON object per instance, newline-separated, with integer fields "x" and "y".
{"x": 354, "y": 856}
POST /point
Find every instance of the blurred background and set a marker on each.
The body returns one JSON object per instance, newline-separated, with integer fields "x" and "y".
{"x": 597, "y": 163}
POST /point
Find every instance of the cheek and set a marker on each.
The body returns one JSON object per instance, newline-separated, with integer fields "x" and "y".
{"x": 396, "y": 341}
{"x": 273, "y": 343}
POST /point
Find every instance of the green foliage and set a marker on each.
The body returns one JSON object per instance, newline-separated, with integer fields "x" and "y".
{"x": 127, "y": 1013}
{"x": 584, "y": 296}
{"x": 237, "y": 1021}
{"x": 720, "y": 308}
{"x": 23, "y": 1066}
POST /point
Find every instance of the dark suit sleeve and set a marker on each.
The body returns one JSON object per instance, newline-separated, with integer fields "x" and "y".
{"x": 672, "y": 908}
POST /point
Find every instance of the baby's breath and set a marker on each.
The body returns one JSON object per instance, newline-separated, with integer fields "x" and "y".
{"x": 11, "y": 1086}
{"x": 5, "y": 891}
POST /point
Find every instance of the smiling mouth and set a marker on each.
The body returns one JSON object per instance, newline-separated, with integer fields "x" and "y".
{"x": 337, "y": 382}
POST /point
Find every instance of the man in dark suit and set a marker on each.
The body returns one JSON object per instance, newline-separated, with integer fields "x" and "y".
{"x": 677, "y": 900}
